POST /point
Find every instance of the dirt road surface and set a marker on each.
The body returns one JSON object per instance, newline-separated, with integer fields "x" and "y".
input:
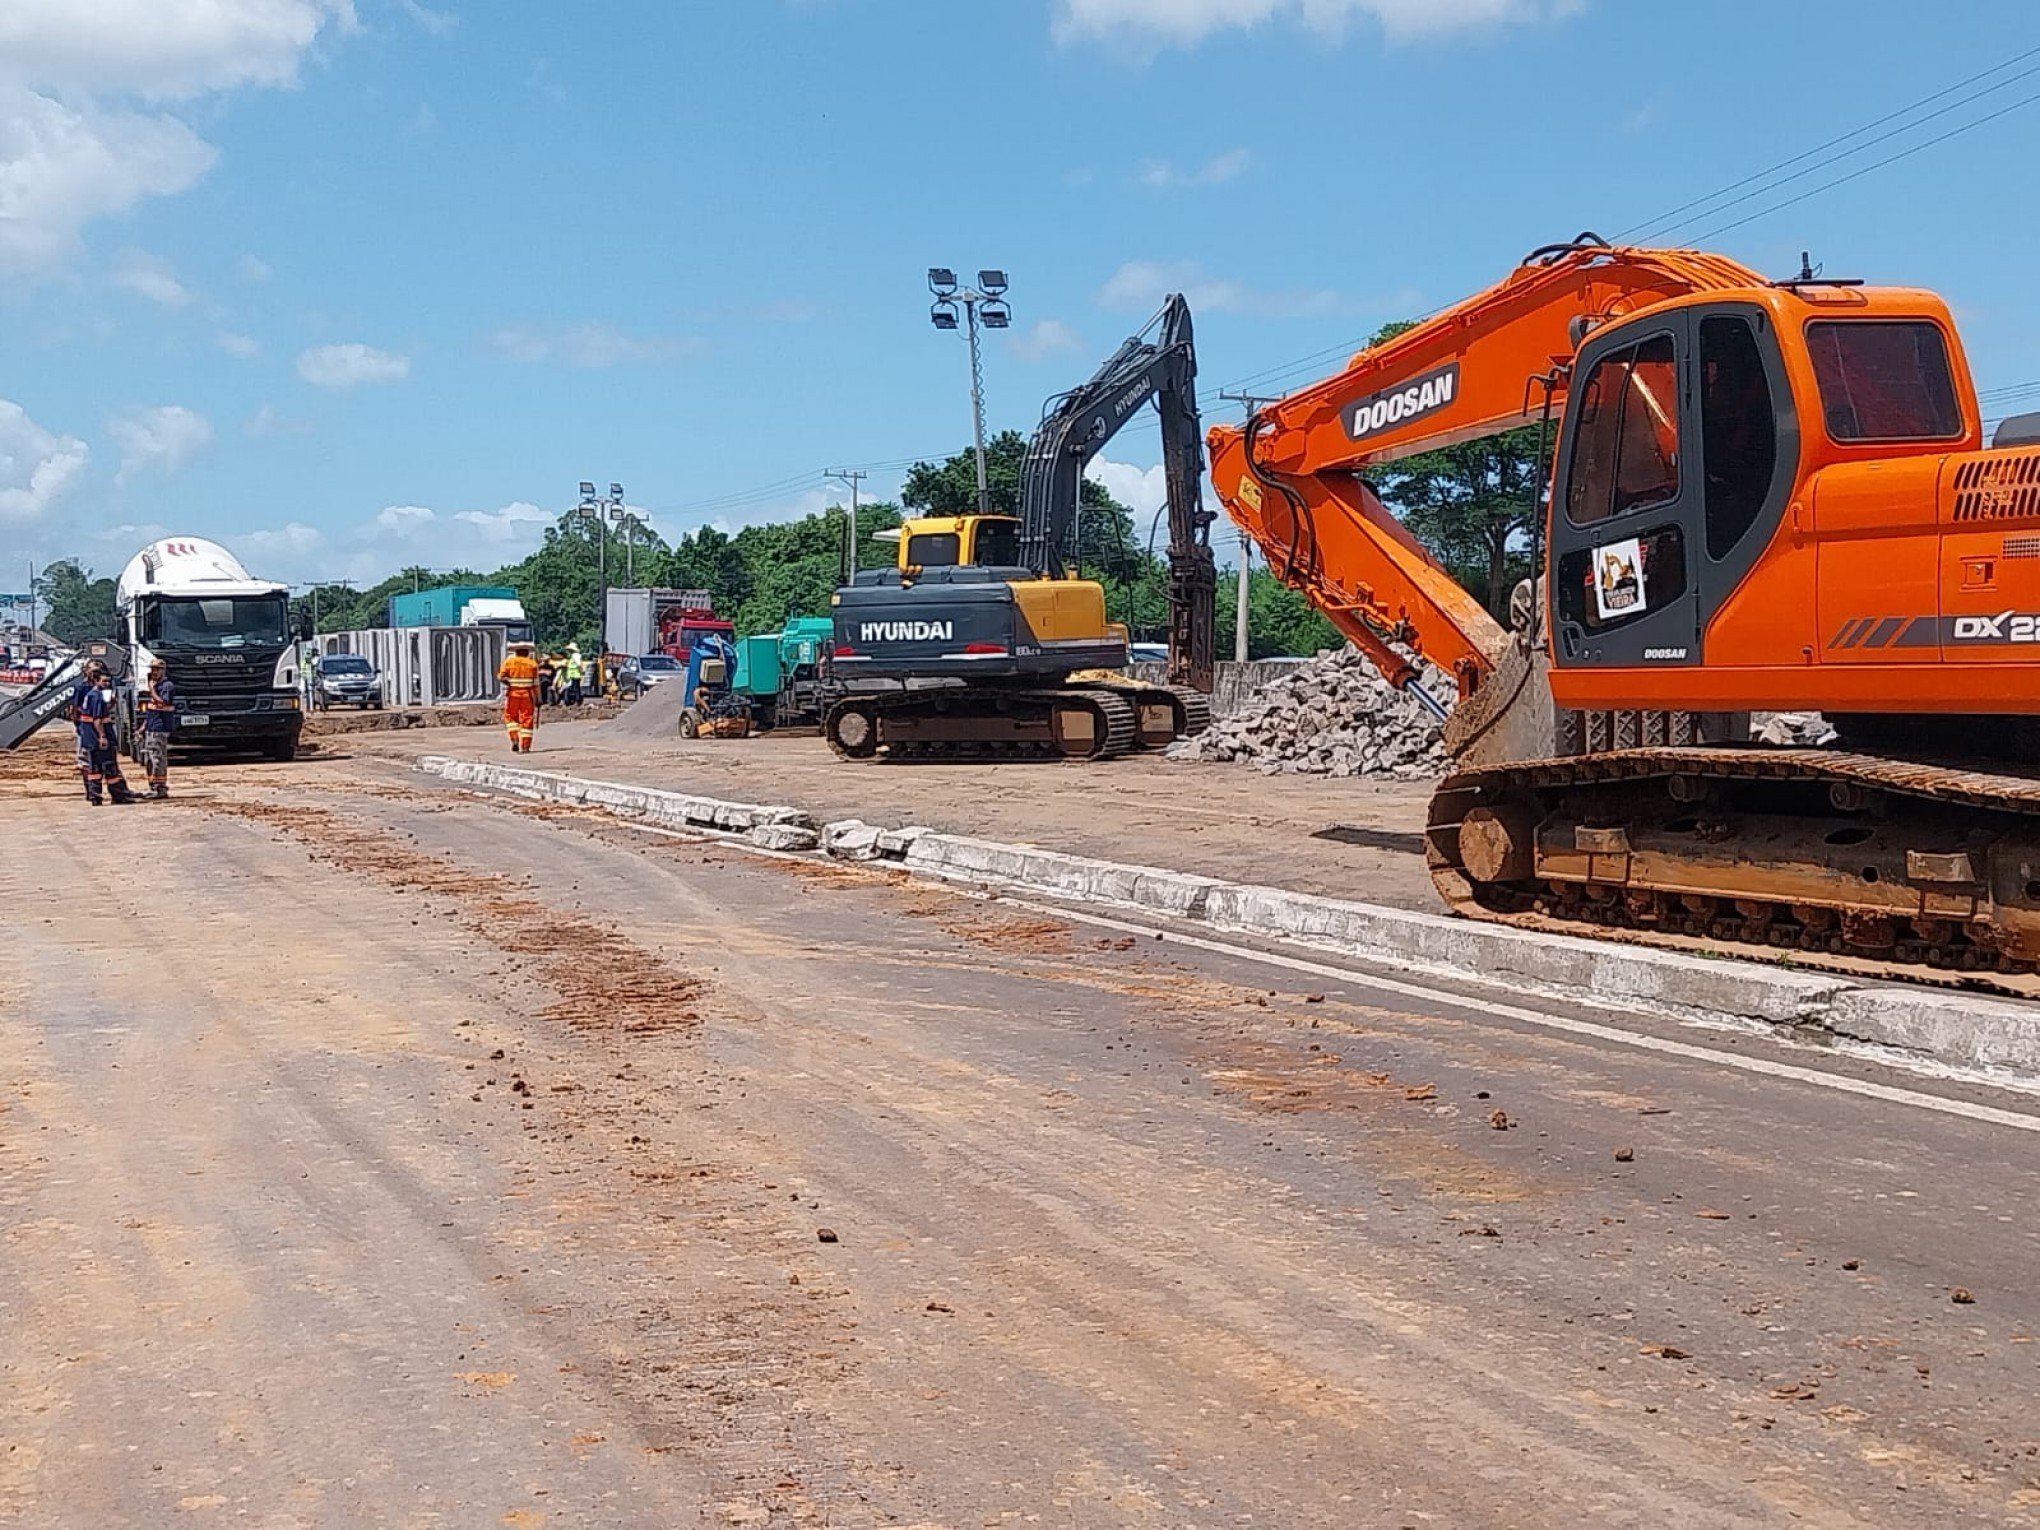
{"x": 374, "y": 1153}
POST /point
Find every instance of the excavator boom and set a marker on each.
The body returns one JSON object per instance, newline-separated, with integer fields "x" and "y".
{"x": 1075, "y": 427}
{"x": 1293, "y": 475}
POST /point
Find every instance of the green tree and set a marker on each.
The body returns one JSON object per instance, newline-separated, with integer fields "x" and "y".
{"x": 78, "y": 606}
{"x": 1280, "y": 622}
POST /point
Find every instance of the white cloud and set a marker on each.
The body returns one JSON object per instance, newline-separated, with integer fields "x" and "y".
{"x": 1141, "y": 490}
{"x": 1045, "y": 338}
{"x": 146, "y": 276}
{"x": 584, "y": 345}
{"x": 1142, "y": 284}
{"x": 253, "y": 268}
{"x": 266, "y": 422}
{"x": 515, "y": 522}
{"x": 161, "y": 439}
{"x": 292, "y": 540}
{"x": 1151, "y": 24}
{"x": 1216, "y": 171}
{"x": 240, "y": 347}
{"x": 438, "y": 23}
{"x": 343, "y": 366}
{"x": 72, "y": 150}
{"x": 62, "y": 166}
{"x": 163, "y": 48}
{"x": 404, "y": 520}
{"x": 37, "y": 466}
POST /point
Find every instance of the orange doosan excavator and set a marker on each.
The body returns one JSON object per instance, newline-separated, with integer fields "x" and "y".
{"x": 1763, "y": 496}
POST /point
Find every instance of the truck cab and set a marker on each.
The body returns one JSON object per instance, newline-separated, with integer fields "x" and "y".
{"x": 224, "y": 638}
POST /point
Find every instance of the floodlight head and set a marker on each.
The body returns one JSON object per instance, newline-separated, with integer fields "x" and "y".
{"x": 994, "y": 282}
{"x": 995, "y": 314}
{"x": 941, "y": 280}
{"x": 943, "y": 315}
{"x": 587, "y": 489}
{"x": 616, "y": 491}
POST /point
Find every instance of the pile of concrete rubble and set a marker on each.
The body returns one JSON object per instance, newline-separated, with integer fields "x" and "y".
{"x": 1334, "y": 716}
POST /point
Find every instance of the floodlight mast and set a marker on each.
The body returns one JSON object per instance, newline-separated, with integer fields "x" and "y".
{"x": 985, "y": 302}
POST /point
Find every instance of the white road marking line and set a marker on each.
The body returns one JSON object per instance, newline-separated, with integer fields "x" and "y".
{"x": 1890, "y": 1094}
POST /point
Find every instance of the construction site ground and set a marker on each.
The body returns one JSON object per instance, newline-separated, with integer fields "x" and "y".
{"x": 1349, "y": 839}
{"x": 378, "y": 1152}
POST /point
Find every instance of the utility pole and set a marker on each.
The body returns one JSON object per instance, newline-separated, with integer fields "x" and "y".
{"x": 854, "y": 477}
{"x": 986, "y": 302}
{"x": 1239, "y": 625}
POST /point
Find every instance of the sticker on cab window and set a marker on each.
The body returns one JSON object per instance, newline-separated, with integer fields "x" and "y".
{"x": 1618, "y": 579}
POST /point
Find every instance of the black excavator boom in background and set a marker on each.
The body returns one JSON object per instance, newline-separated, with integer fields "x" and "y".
{"x": 1075, "y": 427}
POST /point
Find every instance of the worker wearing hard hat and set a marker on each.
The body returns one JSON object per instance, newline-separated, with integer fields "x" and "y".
{"x": 574, "y": 670}
{"x": 519, "y": 674}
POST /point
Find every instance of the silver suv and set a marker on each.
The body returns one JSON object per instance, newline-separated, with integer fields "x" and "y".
{"x": 346, "y": 679}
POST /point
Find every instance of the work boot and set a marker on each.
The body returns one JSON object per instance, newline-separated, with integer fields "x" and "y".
{"x": 159, "y": 791}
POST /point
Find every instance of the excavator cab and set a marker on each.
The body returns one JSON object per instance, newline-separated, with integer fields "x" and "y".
{"x": 960, "y": 541}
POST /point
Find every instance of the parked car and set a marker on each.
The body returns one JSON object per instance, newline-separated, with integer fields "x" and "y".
{"x": 645, "y": 671}
{"x": 345, "y": 679}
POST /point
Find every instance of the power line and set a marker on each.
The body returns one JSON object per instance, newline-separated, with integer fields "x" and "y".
{"x": 1719, "y": 207}
{"x": 1282, "y": 371}
{"x": 1890, "y": 159}
{"x": 1661, "y": 219}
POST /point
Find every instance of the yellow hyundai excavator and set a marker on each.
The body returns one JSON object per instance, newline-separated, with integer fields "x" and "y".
{"x": 978, "y": 642}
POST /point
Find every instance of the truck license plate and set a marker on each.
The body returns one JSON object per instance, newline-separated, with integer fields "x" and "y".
{"x": 193, "y": 720}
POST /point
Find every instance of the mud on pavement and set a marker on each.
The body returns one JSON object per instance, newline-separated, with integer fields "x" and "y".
{"x": 742, "y": 1382}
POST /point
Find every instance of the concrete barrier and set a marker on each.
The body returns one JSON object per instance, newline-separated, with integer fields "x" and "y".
{"x": 774, "y": 827}
{"x": 1958, "y": 1029}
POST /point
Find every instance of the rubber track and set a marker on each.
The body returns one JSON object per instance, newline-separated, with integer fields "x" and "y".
{"x": 1114, "y": 710}
{"x": 1984, "y": 790}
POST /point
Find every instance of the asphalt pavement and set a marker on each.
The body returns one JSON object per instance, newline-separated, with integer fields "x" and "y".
{"x": 373, "y": 1152}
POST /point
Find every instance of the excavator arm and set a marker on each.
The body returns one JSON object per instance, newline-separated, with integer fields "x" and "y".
{"x": 1291, "y": 476}
{"x": 1158, "y": 364}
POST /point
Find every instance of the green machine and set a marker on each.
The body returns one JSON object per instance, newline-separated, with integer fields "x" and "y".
{"x": 782, "y": 672}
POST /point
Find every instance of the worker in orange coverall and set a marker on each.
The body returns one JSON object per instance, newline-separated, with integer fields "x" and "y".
{"x": 519, "y": 675}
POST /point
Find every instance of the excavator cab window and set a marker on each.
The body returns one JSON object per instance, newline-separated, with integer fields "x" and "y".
{"x": 996, "y": 544}
{"x": 1626, "y": 449}
{"x": 1884, "y": 380}
{"x": 1738, "y": 430}
{"x": 935, "y": 549}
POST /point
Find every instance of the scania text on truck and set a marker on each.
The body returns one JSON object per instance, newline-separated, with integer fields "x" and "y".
{"x": 224, "y": 637}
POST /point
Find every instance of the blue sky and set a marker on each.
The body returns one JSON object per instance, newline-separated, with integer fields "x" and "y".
{"x": 357, "y": 285}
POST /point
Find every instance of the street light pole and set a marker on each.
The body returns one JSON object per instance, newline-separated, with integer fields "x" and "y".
{"x": 594, "y": 507}
{"x": 985, "y": 302}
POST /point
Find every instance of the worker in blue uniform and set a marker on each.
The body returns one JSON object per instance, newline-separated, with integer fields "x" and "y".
{"x": 98, "y": 737}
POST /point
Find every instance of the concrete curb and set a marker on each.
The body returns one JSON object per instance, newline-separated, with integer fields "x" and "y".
{"x": 1958, "y": 1029}
{"x": 773, "y": 827}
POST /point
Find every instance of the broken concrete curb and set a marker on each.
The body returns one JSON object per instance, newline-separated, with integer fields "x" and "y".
{"x": 1958, "y": 1029}
{"x": 773, "y": 827}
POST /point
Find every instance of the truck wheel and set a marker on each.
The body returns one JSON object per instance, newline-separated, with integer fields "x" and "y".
{"x": 282, "y": 749}
{"x": 690, "y": 725}
{"x": 766, "y": 717}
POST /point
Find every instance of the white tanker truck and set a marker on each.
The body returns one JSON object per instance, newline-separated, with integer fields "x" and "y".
{"x": 225, "y": 638}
